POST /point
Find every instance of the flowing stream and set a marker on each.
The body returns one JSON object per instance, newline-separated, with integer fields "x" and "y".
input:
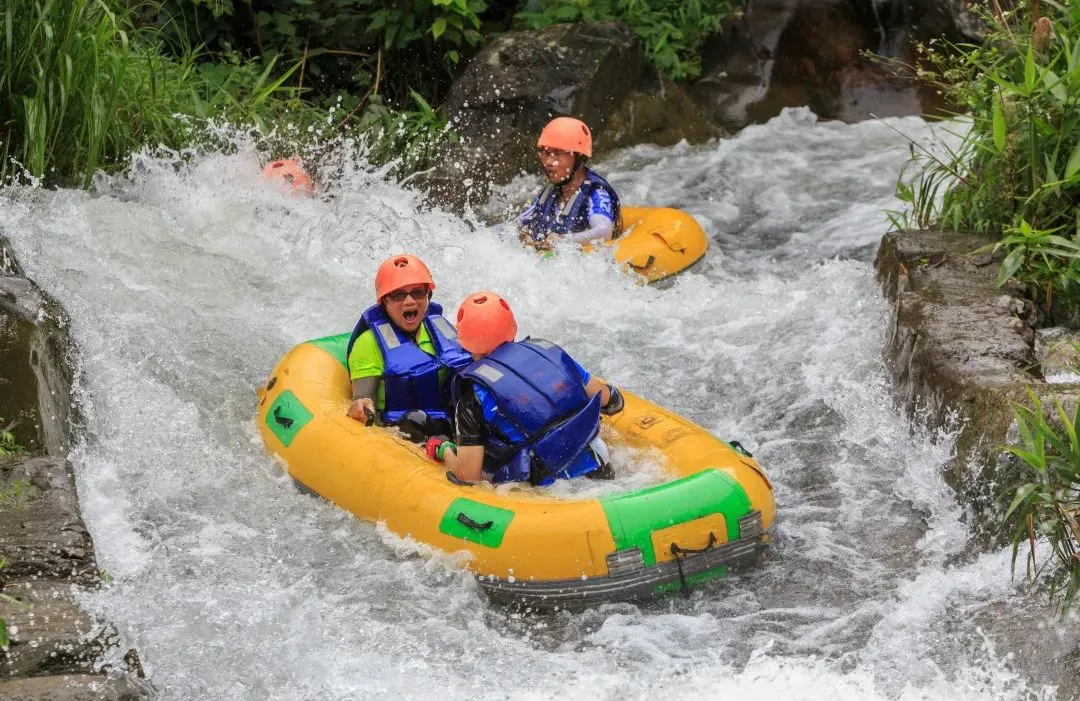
{"x": 185, "y": 282}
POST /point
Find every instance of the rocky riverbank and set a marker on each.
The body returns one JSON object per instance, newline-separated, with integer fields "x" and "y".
{"x": 56, "y": 649}
{"x": 961, "y": 350}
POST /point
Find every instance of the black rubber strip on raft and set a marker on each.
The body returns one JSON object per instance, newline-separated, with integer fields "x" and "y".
{"x": 639, "y": 584}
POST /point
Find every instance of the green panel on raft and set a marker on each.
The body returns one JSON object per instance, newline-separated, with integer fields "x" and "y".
{"x": 335, "y": 346}
{"x": 287, "y": 415}
{"x": 633, "y": 517}
{"x": 698, "y": 578}
{"x": 475, "y": 522}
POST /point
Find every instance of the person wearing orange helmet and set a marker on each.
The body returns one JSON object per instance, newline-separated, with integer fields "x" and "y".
{"x": 402, "y": 351}
{"x": 524, "y": 411}
{"x": 576, "y": 204}
{"x": 291, "y": 175}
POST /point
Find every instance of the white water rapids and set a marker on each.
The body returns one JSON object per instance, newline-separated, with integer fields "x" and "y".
{"x": 185, "y": 283}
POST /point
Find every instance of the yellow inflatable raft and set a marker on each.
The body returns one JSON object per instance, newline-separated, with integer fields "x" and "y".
{"x": 658, "y": 242}
{"x": 527, "y": 547}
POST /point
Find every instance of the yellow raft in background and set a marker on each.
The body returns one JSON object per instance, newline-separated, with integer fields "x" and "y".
{"x": 527, "y": 547}
{"x": 659, "y": 242}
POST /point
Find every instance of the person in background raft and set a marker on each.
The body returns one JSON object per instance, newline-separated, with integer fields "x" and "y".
{"x": 291, "y": 176}
{"x": 577, "y": 204}
{"x": 524, "y": 411}
{"x": 402, "y": 352}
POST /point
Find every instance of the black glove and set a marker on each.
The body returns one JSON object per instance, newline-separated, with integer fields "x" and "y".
{"x": 615, "y": 402}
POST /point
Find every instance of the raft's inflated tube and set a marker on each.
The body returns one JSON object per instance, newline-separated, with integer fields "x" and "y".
{"x": 526, "y": 546}
{"x": 659, "y": 242}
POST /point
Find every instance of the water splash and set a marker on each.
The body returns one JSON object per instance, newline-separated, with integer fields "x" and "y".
{"x": 188, "y": 277}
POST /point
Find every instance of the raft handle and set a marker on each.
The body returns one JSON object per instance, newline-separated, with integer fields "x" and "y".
{"x": 283, "y": 421}
{"x": 454, "y": 479}
{"x": 676, "y": 550}
{"x": 739, "y": 447}
{"x": 468, "y": 522}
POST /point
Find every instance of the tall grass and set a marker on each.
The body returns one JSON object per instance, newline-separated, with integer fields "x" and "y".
{"x": 64, "y": 64}
{"x": 410, "y": 138}
{"x": 81, "y": 88}
{"x": 1048, "y": 504}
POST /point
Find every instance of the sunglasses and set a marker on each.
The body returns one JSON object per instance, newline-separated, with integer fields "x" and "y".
{"x": 546, "y": 153}
{"x": 417, "y": 293}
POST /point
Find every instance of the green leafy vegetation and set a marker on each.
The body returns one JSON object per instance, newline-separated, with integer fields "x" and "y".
{"x": 344, "y": 46}
{"x": 1048, "y": 503}
{"x": 17, "y": 493}
{"x": 1016, "y": 170}
{"x": 1012, "y": 169}
{"x": 81, "y": 88}
{"x": 673, "y": 32}
{"x": 412, "y": 137}
{"x": 85, "y": 83}
{"x": 8, "y": 444}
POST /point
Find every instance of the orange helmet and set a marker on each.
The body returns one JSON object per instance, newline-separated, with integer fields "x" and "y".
{"x": 567, "y": 134}
{"x": 289, "y": 171}
{"x": 401, "y": 271}
{"x": 485, "y": 322}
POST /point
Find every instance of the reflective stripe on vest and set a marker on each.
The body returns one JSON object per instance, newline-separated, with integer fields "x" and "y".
{"x": 389, "y": 336}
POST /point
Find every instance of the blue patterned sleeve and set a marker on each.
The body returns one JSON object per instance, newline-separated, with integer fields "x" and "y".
{"x": 600, "y": 204}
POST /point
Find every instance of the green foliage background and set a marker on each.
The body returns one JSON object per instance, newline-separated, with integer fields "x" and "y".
{"x": 1016, "y": 171}
{"x": 673, "y": 32}
{"x": 83, "y": 83}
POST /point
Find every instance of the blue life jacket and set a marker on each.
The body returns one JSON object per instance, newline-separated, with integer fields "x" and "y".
{"x": 546, "y": 419}
{"x": 411, "y": 376}
{"x": 548, "y": 216}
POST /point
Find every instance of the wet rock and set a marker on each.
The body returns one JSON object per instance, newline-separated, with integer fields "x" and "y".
{"x": 9, "y": 264}
{"x": 42, "y": 533}
{"x": 1048, "y": 655}
{"x": 1059, "y": 354}
{"x": 793, "y": 53}
{"x": 958, "y": 347}
{"x": 518, "y": 82}
{"x": 657, "y": 111}
{"x": 35, "y": 360}
{"x": 74, "y": 687}
{"x": 46, "y": 550}
{"x": 946, "y": 18}
{"x": 50, "y": 633}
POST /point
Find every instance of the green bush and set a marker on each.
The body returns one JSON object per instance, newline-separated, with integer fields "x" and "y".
{"x": 344, "y": 45}
{"x": 1049, "y": 504}
{"x": 8, "y": 444}
{"x": 1016, "y": 171}
{"x": 672, "y": 31}
{"x": 80, "y": 89}
{"x": 1046, "y": 264}
{"x": 412, "y": 137}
